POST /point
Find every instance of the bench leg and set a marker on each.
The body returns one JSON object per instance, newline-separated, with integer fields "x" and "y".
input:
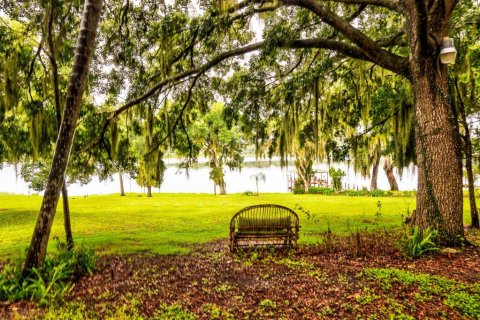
{"x": 233, "y": 243}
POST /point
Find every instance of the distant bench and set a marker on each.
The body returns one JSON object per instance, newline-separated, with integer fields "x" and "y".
{"x": 262, "y": 224}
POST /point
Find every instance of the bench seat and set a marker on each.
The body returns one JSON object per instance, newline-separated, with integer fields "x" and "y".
{"x": 255, "y": 224}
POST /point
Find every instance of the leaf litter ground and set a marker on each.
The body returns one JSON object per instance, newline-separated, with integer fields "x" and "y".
{"x": 344, "y": 278}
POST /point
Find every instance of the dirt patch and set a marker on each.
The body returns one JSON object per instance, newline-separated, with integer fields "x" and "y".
{"x": 316, "y": 282}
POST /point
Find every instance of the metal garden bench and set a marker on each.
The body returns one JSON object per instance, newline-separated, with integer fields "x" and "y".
{"x": 264, "y": 224}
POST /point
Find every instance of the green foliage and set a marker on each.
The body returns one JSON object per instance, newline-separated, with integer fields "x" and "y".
{"x": 464, "y": 297}
{"x": 336, "y": 175}
{"x": 221, "y": 145}
{"x": 216, "y": 312}
{"x": 321, "y": 190}
{"x": 298, "y": 191}
{"x": 298, "y": 187}
{"x": 81, "y": 261}
{"x": 377, "y": 193}
{"x": 267, "y": 303}
{"x": 173, "y": 312}
{"x": 356, "y": 193}
{"x": 415, "y": 244}
{"x": 367, "y": 296}
{"x": 468, "y": 302}
{"x": 70, "y": 311}
{"x": 52, "y": 282}
{"x": 129, "y": 309}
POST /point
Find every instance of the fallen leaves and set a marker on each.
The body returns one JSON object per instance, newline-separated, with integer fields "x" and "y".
{"x": 310, "y": 284}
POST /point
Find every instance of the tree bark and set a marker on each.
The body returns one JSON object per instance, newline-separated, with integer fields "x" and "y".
{"x": 122, "y": 189}
{"x": 223, "y": 187}
{"x": 58, "y": 115}
{"x": 388, "y": 168}
{"x": 66, "y": 218}
{"x": 77, "y": 83}
{"x": 149, "y": 191}
{"x": 471, "y": 180}
{"x": 437, "y": 140}
{"x": 376, "y": 164}
{"x": 439, "y": 196}
{"x": 468, "y": 157}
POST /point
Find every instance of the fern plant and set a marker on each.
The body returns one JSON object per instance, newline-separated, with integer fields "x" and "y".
{"x": 50, "y": 283}
{"x": 416, "y": 244}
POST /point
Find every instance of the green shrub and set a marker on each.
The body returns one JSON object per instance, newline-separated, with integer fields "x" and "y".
{"x": 249, "y": 193}
{"x": 415, "y": 244}
{"x": 377, "y": 193}
{"x": 298, "y": 191}
{"x": 321, "y": 190}
{"x": 356, "y": 193}
{"x": 43, "y": 285}
{"x": 50, "y": 283}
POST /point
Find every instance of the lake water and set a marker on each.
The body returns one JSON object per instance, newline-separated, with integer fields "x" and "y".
{"x": 197, "y": 180}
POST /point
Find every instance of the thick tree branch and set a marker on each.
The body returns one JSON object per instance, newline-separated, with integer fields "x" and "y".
{"x": 421, "y": 23}
{"x": 395, "y": 40}
{"x": 401, "y": 68}
{"x": 370, "y": 50}
{"x": 346, "y": 49}
{"x": 191, "y": 72}
{"x": 389, "y": 4}
{"x": 338, "y": 46}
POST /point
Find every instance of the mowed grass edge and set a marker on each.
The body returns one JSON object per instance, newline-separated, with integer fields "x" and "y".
{"x": 171, "y": 223}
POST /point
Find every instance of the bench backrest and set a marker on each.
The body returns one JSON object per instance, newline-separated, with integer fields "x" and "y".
{"x": 264, "y": 218}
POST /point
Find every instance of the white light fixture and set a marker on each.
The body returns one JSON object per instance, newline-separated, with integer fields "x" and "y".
{"x": 447, "y": 51}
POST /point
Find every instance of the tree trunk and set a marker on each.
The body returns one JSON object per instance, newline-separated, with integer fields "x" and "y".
{"x": 66, "y": 218}
{"x": 76, "y": 87}
{"x": 223, "y": 187}
{"x": 58, "y": 115}
{"x": 122, "y": 189}
{"x": 149, "y": 191}
{"x": 439, "y": 196}
{"x": 256, "y": 182}
{"x": 471, "y": 180}
{"x": 376, "y": 164}
{"x": 388, "y": 168}
{"x": 468, "y": 156}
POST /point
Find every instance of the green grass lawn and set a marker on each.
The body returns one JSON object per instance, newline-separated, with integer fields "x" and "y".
{"x": 169, "y": 223}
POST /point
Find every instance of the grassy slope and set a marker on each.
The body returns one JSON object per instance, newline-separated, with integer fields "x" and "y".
{"x": 167, "y": 223}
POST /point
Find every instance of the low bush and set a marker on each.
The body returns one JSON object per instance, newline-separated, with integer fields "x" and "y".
{"x": 50, "y": 283}
{"x": 356, "y": 193}
{"x": 377, "y": 193}
{"x": 321, "y": 190}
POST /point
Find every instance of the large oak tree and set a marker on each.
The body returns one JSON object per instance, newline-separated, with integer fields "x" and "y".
{"x": 182, "y": 49}
{"x": 412, "y": 51}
